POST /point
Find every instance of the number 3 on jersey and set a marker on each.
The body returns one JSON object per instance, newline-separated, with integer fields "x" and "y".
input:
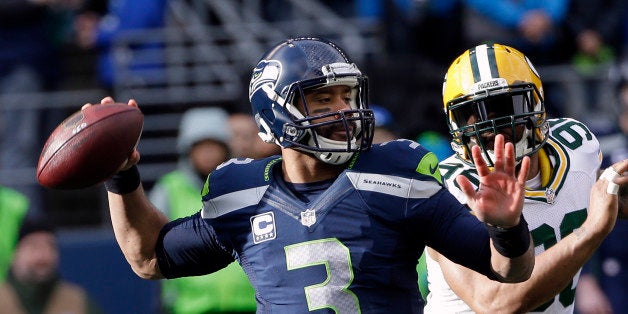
{"x": 333, "y": 292}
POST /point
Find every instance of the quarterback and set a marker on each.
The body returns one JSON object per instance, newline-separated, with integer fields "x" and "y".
{"x": 334, "y": 224}
{"x": 494, "y": 89}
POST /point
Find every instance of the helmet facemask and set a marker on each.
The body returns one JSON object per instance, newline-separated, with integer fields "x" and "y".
{"x": 516, "y": 111}
{"x": 319, "y": 134}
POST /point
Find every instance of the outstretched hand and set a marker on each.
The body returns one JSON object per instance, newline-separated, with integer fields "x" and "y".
{"x": 499, "y": 198}
{"x": 134, "y": 158}
{"x": 603, "y": 208}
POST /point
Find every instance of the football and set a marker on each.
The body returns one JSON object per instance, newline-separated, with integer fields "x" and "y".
{"x": 89, "y": 146}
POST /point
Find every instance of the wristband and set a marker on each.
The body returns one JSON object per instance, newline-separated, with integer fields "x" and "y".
{"x": 124, "y": 182}
{"x": 609, "y": 174}
{"x": 510, "y": 242}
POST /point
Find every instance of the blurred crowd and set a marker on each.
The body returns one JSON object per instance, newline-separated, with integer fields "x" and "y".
{"x": 579, "y": 46}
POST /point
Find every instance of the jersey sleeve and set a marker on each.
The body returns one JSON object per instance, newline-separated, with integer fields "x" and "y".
{"x": 400, "y": 158}
{"x": 576, "y": 136}
{"x": 450, "y": 228}
{"x": 203, "y": 243}
{"x": 190, "y": 247}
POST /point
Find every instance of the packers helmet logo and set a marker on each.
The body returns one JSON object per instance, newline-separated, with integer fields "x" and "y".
{"x": 266, "y": 72}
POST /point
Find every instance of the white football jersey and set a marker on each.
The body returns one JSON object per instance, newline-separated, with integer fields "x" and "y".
{"x": 552, "y": 212}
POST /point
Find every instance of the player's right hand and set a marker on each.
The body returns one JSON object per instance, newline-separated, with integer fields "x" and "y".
{"x": 499, "y": 198}
{"x": 134, "y": 158}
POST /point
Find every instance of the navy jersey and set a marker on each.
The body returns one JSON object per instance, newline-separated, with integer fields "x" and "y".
{"x": 353, "y": 248}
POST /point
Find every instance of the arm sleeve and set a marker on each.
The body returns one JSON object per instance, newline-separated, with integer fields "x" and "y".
{"x": 190, "y": 247}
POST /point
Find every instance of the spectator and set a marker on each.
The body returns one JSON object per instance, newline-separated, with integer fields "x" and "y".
{"x": 33, "y": 284}
{"x": 595, "y": 29}
{"x": 28, "y": 64}
{"x": 94, "y": 31}
{"x": 13, "y": 208}
{"x": 202, "y": 145}
{"x": 534, "y": 26}
{"x": 407, "y": 26}
{"x": 244, "y": 139}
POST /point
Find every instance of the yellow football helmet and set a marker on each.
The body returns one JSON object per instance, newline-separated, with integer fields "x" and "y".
{"x": 492, "y": 89}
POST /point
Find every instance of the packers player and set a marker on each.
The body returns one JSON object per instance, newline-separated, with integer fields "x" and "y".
{"x": 494, "y": 89}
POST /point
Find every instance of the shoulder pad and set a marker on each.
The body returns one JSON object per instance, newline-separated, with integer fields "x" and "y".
{"x": 578, "y": 142}
{"x": 403, "y": 158}
{"x": 239, "y": 174}
{"x": 236, "y": 184}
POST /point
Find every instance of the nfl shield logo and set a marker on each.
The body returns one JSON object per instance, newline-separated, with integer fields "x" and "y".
{"x": 550, "y": 195}
{"x": 308, "y": 217}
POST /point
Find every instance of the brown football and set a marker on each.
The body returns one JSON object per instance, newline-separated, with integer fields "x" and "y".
{"x": 89, "y": 146}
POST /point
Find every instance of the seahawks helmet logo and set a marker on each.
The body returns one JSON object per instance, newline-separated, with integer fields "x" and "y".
{"x": 266, "y": 72}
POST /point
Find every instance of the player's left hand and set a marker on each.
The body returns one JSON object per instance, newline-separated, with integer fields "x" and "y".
{"x": 499, "y": 198}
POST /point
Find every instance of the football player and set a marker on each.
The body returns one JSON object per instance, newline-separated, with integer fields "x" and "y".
{"x": 334, "y": 224}
{"x": 493, "y": 90}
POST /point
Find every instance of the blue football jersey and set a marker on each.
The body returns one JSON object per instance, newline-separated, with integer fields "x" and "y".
{"x": 353, "y": 248}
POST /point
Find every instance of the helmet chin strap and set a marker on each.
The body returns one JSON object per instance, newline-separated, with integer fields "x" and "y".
{"x": 333, "y": 158}
{"x": 521, "y": 147}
